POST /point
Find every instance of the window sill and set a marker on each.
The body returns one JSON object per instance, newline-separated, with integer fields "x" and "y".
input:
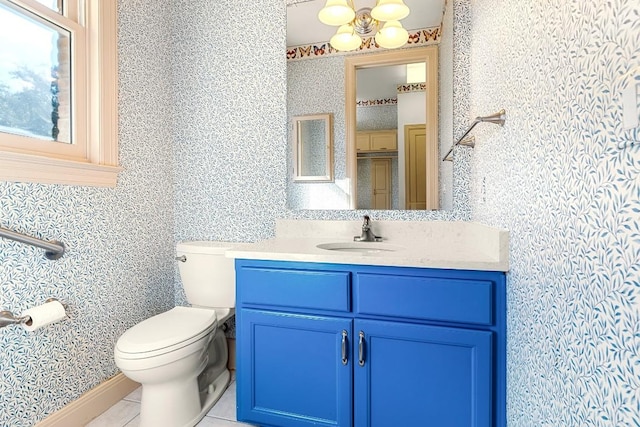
{"x": 19, "y": 167}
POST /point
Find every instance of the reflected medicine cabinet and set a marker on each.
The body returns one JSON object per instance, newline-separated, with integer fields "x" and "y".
{"x": 313, "y": 148}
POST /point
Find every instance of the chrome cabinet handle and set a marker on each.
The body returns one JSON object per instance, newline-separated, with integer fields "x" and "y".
{"x": 344, "y": 347}
{"x": 361, "y": 349}
{"x": 182, "y": 258}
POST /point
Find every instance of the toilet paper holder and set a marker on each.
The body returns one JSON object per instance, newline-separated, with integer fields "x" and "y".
{"x": 8, "y": 318}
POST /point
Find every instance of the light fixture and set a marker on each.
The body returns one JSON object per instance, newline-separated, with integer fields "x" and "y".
{"x": 353, "y": 25}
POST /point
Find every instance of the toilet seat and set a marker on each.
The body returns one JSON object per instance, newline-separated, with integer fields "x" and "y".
{"x": 166, "y": 332}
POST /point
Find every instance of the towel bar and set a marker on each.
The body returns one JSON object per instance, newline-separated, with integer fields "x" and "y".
{"x": 497, "y": 119}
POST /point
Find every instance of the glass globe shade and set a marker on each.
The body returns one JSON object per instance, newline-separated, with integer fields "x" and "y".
{"x": 345, "y": 39}
{"x": 336, "y": 12}
{"x": 392, "y": 35}
{"x": 390, "y": 10}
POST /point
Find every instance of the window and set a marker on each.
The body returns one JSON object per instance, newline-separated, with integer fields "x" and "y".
{"x": 58, "y": 87}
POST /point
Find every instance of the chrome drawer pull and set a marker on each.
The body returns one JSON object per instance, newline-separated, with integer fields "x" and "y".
{"x": 344, "y": 347}
{"x": 361, "y": 349}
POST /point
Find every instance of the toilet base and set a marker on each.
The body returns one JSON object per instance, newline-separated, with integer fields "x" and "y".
{"x": 212, "y": 395}
{"x": 184, "y": 408}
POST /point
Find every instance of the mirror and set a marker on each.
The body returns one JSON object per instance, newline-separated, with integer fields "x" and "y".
{"x": 313, "y": 150}
{"x": 316, "y": 81}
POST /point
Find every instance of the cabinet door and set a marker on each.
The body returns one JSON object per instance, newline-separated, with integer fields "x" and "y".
{"x": 291, "y": 371}
{"x": 417, "y": 375}
{"x": 384, "y": 141}
{"x": 362, "y": 141}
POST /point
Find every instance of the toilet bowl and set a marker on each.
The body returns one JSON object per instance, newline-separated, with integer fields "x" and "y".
{"x": 180, "y": 356}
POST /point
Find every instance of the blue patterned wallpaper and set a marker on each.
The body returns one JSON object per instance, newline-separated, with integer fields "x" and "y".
{"x": 556, "y": 178}
{"x": 230, "y": 119}
{"x": 377, "y": 117}
{"x": 119, "y": 266}
{"x": 203, "y": 143}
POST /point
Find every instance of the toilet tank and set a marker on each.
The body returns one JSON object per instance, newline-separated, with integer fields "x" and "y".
{"x": 208, "y": 277}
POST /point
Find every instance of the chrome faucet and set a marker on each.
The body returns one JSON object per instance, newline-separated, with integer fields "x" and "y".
{"x": 367, "y": 234}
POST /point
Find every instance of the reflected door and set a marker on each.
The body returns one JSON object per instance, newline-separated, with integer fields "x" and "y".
{"x": 415, "y": 166}
{"x": 381, "y": 183}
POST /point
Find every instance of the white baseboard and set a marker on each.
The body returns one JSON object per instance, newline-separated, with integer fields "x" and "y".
{"x": 91, "y": 404}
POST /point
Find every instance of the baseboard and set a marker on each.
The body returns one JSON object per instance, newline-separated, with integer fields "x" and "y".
{"x": 91, "y": 404}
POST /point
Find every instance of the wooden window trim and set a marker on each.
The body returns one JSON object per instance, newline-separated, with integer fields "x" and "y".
{"x": 97, "y": 164}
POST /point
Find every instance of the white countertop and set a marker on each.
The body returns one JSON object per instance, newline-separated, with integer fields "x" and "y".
{"x": 428, "y": 244}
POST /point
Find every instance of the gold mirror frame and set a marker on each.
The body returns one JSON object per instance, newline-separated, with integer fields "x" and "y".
{"x": 299, "y": 150}
{"x": 429, "y": 55}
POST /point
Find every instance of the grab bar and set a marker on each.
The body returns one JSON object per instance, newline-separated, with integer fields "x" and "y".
{"x": 53, "y": 250}
{"x": 497, "y": 119}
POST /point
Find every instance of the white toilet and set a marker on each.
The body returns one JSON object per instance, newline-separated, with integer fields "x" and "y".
{"x": 180, "y": 356}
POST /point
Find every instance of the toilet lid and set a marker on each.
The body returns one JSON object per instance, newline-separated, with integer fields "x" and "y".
{"x": 173, "y": 328}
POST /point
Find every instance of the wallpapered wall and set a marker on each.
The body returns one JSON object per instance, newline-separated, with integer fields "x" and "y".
{"x": 203, "y": 144}
{"x": 556, "y": 179}
{"x": 118, "y": 269}
{"x": 230, "y": 121}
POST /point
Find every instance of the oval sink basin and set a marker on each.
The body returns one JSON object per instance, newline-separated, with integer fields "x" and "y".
{"x": 359, "y": 247}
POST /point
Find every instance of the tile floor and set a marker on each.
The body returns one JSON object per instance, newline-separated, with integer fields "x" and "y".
{"x": 126, "y": 413}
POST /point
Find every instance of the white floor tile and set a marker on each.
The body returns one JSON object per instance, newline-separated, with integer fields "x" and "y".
{"x": 126, "y": 413}
{"x": 225, "y": 408}
{"x": 134, "y": 422}
{"x": 135, "y": 395}
{"x": 118, "y": 415}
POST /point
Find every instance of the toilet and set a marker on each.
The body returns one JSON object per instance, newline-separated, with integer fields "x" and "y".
{"x": 180, "y": 356}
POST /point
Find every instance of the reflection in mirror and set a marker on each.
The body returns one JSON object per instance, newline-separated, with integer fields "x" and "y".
{"x": 316, "y": 82}
{"x": 396, "y": 121}
{"x": 313, "y": 148}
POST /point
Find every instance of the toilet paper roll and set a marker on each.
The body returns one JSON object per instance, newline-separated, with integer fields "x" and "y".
{"x": 44, "y": 315}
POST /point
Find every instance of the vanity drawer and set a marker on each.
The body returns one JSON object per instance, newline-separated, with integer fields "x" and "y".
{"x": 428, "y": 298}
{"x": 318, "y": 289}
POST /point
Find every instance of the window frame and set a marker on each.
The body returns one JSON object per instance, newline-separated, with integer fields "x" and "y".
{"x": 92, "y": 158}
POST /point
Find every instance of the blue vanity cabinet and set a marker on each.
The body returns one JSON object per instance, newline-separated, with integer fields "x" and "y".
{"x": 369, "y": 346}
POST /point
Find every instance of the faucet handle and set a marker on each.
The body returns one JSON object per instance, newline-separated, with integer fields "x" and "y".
{"x": 367, "y": 233}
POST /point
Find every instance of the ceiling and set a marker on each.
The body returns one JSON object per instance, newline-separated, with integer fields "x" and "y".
{"x": 304, "y": 28}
